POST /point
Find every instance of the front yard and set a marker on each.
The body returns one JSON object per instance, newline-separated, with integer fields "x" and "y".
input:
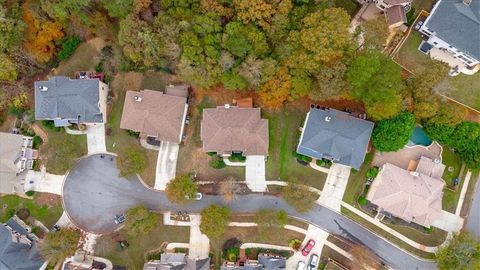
{"x": 133, "y": 257}
{"x": 45, "y": 210}
{"x": 357, "y": 180}
{"x": 284, "y": 135}
{"x": 463, "y": 88}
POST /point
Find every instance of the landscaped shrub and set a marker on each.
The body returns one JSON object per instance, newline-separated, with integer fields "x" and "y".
{"x": 410, "y": 16}
{"x": 217, "y": 163}
{"x": 232, "y": 257}
{"x": 248, "y": 252}
{"x": 17, "y": 112}
{"x": 372, "y": 172}
{"x": 30, "y": 193}
{"x": 428, "y": 229}
{"x": 69, "y": 45}
{"x": 211, "y": 153}
{"x": 362, "y": 200}
{"x": 23, "y": 213}
{"x": 133, "y": 133}
{"x": 37, "y": 141}
{"x": 324, "y": 163}
{"x": 50, "y": 125}
{"x": 295, "y": 244}
{"x": 236, "y": 157}
{"x": 232, "y": 254}
{"x": 302, "y": 157}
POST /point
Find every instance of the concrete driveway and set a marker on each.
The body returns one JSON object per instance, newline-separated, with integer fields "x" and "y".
{"x": 93, "y": 193}
{"x": 44, "y": 182}
{"x": 319, "y": 236}
{"x": 166, "y": 164}
{"x": 255, "y": 173}
{"x": 96, "y": 139}
{"x": 334, "y": 188}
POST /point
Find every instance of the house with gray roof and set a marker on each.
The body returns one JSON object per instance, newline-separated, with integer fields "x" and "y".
{"x": 453, "y": 28}
{"x": 18, "y": 250}
{"x": 71, "y": 101}
{"x": 335, "y": 135}
{"x": 265, "y": 261}
{"x": 16, "y": 156}
{"x": 177, "y": 261}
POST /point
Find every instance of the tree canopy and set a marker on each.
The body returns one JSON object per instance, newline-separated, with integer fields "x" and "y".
{"x": 215, "y": 219}
{"x": 57, "y": 246}
{"x": 392, "y": 134}
{"x": 139, "y": 220}
{"x": 299, "y": 196}
{"x": 180, "y": 189}
{"x": 462, "y": 252}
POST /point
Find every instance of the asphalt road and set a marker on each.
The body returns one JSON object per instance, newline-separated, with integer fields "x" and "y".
{"x": 473, "y": 221}
{"x": 93, "y": 193}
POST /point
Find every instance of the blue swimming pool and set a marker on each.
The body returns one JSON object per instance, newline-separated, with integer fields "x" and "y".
{"x": 419, "y": 137}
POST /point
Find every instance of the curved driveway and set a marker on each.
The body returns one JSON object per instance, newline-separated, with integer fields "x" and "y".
{"x": 93, "y": 194}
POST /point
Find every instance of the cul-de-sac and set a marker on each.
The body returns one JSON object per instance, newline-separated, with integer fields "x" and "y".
{"x": 239, "y": 134}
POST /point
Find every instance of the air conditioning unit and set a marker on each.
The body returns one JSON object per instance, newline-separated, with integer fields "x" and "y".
{"x": 328, "y": 118}
{"x": 43, "y": 88}
{"x": 227, "y": 106}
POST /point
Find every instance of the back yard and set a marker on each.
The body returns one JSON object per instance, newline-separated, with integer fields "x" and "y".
{"x": 463, "y": 88}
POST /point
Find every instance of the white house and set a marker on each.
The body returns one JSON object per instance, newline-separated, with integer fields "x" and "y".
{"x": 452, "y": 35}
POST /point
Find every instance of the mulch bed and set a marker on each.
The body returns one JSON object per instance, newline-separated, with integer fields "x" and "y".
{"x": 48, "y": 199}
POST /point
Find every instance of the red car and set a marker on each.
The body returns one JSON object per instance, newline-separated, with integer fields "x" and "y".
{"x": 308, "y": 247}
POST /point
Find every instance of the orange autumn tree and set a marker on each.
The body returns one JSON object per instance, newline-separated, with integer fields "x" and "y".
{"x": 41, "y": 35}
{"x": 275, "y": 91}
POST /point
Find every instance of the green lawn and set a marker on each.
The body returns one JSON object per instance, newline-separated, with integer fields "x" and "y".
{"x": 451, "y": 193}
{"x": 450, "y": 159}
{"x": 62, "y": 150}
{"x": 133, "y": 256}
{"x": 284, "y": 135}
{"x": 434, "y": 238}
{"x": 410, "y": 57}
{"x": 47, "y": 215}
{"x": 356, "y": 181}
{"x": 85, "y": 58}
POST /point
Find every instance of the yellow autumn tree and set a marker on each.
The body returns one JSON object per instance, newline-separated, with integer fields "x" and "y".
{"x": 259, "y": 12}
{"x": 275, "y": 91}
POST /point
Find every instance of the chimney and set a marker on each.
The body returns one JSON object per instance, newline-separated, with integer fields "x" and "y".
{"x": 227, "y": 106}
{"x": 137, "y": 98}
{"x": 467, "y": 2}
{"x": 43, "y": 88}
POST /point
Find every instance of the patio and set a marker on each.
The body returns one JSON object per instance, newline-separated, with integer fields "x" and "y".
{"x": 403, "y": 157}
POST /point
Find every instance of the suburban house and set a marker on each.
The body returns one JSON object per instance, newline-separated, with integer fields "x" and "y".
{"x": 231, "y": 129}
{"x": 335, "y": 135}
{"x": 265, "y": 261}
{"x": 18, "y": 247}
{"x": 177, "y": 261}
{"x": 157, "y": 116}
{"x": 395, "y": 11}
{"x": 414, "y": 195}
{"x": 16, "y": 156}
{"x": 71, "y": 101}
{"x": 451, "y": 33}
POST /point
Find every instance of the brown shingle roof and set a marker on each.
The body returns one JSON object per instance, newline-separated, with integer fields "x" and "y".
{"x": 396, "y": 14}
{"x": 234, "y": 129}
{"x": 155, "y": 114}
{"x": 412, "y": 196}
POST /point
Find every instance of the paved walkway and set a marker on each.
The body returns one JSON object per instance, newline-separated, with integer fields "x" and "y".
{"x": 255, "y": 173}
{"x": 166, "y": 164}
{"x": 314, "y": 166}
{"x": 199, "y": 246}
{"x": 173, "y": 245}
{"x": 64, "y": 221}
{"x": 96, "y": 139}
{"x": 334, "y": 188}
{"x": 88, "y": 242}
{"x": 234, "y": 164}
{"x": 44, "y": 182}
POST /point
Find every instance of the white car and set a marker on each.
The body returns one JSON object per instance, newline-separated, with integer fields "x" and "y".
{"x": 197, "y": 197}
{"x": 312, "y": 265}
{"x": 301, "y": 265}
{"x": 418, "y": 25}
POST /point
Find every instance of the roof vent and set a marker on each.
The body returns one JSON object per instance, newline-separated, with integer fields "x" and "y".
{"x": 328, "y": 118}
{"x": 437, "y": 161}
{"x": 43, "y": 88}
{"x": 467, "y": 2}
{"x": 137, "y": 98}
{"x": 414, "y": 173}
{"x": 227, "y": 106}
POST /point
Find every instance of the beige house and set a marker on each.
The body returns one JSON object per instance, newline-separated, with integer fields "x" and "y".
{"x": 395, "y": 11}
{"x": 16, "y": 156}
{"x": 231, "y": 129}
{"x": 156, "y": 115}
{"x": 413, "y": 195}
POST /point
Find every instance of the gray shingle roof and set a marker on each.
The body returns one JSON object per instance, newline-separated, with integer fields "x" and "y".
{"x": 270, "y": 262}
{"x": 68, "y": 99}
{"x": 458, "y": 24}
{"x": 18, "y": 255}
{"x": 343, "y": 138}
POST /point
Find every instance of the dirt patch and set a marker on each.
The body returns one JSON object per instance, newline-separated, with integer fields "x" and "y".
{"x": 97, "y": 43}
{"x": 48, "y": 199}
{"x": 8, "y": 124}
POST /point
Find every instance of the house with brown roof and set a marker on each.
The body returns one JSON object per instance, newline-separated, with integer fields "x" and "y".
{"x": 414, "y": 196}
{"x": 156, "y": 115}
{"x": 231, "y": 129}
